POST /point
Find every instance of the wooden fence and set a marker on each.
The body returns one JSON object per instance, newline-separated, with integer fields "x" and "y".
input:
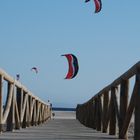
{"x": 111, "y": 110}
{"x": 21, "y": 108}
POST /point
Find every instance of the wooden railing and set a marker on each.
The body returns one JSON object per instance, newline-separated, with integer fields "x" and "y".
{"x": 21, "y": 108}
{"x": 111, "y": 110}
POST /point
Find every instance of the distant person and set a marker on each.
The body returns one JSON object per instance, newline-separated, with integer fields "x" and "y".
{"x": 53, "y": 114}
{"x": 50, "y": 106}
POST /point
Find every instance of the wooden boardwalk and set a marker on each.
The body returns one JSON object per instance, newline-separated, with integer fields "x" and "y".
{"x": 58, "y": 128}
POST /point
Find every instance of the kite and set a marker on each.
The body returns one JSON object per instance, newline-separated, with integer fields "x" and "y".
{"x": 73, "y": 66}
{"x": 35, "y": 69}
{"x": 98, "y": 5}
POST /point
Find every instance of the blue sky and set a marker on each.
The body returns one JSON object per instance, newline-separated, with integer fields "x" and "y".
{"x": 38, "y": 32}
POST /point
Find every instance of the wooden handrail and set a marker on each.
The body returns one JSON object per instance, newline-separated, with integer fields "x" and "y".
{"x": 102, "y": 110}
{"x": 22, "y": 108}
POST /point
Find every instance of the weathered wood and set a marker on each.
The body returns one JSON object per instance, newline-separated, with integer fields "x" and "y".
{"x": 99, "y": 122}
{"x": 38, "y": 111}
{"x": 19, "y": 99}
{"x": 23, "y": 115}
{"x": 137, "y": 109}
{"x": 97, "y": 117}
{"x": 115, "y": 101}
{"x": 129, "y": 112}
{"x": 88, "y": 115}
{"x": 105, "y": 110}
{"x": 124, "y": 90}
{"x": 8, "y": 102}
{"x": 108, "y": 115}
{"x": 19, "y": 110}
{"x": 94, "y": 115}
{"x": 25, "y": 111}
{"x": 31, "y": 112}
{"x": 17, "y": 117}
{"x": 34, "y": 114}
{"x": 114, "y": 110}
{"x": 1, "y": 105}
{"x": 30, "y": 101}
{"x": 112, "y": 125}
{"x": 9, "y": 112}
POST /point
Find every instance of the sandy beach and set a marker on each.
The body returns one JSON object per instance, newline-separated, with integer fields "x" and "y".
{"x": 64, "y": 115}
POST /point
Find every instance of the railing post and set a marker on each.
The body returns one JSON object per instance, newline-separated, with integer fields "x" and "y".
{"x": 83, "y": 113}
{"x": 137, "y": 109}
{"x": 88, "y": 119}
{"x": 24, "y": 122}
{"x": 105, "y": 110}
{"x": 1, "y": 106}
{"x": 98, "y": 113}
{"x": 35, "y": 112}
{"x": 129, "y": 112}
{"x": 124, "y": 90}
{"x": 112, "y": 126}
{"x": 19, "y": 98}
{"x": 30, "y": 113}
{"x": 11, "y": 115}
{"x": 91, "y": 114}
{"x": 77, "y": 112}
{"x": 94, "y": 114}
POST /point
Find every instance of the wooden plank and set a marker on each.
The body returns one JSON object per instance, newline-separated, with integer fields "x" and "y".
{"x": 58, "y": 129}
{"x": 108, "y": 115}
{"x": 137, "y": 110}
{"x": 24, "y": 106}
{"x": 19, "y": 99}
{"x": 17, "y": 118}
{"x": 31, "y": 111}
{"x": 8, "y": 101}
{"x": 1, "y": 105}
{"x": 105, "y": 111}
{"x": 124, "y": 91}
{"x": 88, "y": 115}
{"x": 9, "y": 113}
{"x": 91, "y": 114}
{"x": 112, "y": 125}
{"x": 99, "y": 113}
{"x": 129, "y": 112}
{"x": 115, "y": 101}
{"x": 94, "y": 115}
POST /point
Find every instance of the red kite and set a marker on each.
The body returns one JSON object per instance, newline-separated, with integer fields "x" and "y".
{"x": 98, "y": 5}
{"x": 73, "y": 66}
